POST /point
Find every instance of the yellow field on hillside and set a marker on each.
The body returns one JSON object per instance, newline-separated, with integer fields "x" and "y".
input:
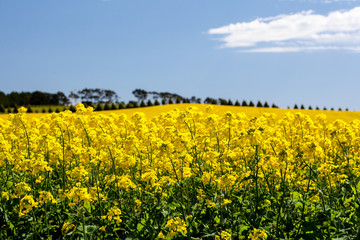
{"x": 150, "y": 112}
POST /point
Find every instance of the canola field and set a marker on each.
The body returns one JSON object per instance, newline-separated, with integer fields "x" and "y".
{"x": 182, "y": 174}
{"x": 155, "y": 111}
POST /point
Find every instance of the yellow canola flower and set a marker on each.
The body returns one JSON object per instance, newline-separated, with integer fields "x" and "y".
{"x": 103, "y": 228}
{"x": 27, "y": 203}
{"x": 161, "y": 235}
{"x": 5, "y": 195}
{"x": 45, "y": 197}
{"x": 225, "y": 235}
{"x": 175, "y": 225}
{"x": 78, "y": 195}
{"x": 20, "y": 189}
{"x": 113, "y": 214}
{"x": 67, "y": 226}
{"x": 257, "y": 234}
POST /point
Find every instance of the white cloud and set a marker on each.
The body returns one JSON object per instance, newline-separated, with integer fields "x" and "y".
{"x": 303, "y": 31}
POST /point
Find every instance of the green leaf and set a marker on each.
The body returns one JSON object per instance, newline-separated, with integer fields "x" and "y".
{"x": 296, "y": 196}
{"x": 217, "y": 219}
{"x": 90, "y": 229}
{"x": 141, "y": 224}
{"x": 9, "y": 184}
{"x": 87, "y": 205}
{"x": 243, "y": 228}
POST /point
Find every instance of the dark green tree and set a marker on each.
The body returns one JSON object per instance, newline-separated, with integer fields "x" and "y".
{"x": 149, "y": 103}
{"x": 72, "y": 108}
{"x": 136, "y": 105}
{"x": 142, "y": 103}
{"x": 50, "y": 110}
{"x": 296, "y": 107}
{"x": 209, "y": 100}
{"x": 140, "y": 94}
{"x": 230, "y": 103}
{"x": 113, "y": 106}
{"x": 109, "y": 96}
{"x": 14, "y": 98}
{"x": 4, "y": 99}
{"x": 251, "y": 104}
{"x": 302, "y": 106}
{"x": 107, "y": 107}
{"x": 156, "y": 103}
{"x": 2, "y": 108}
{"x": 122, "y": 105}
{"x": 237, "y": 103}
{"x": 16, "y": 107}
{"x": 244, "y": 103}
{"x": 222, "y": 101}
{"x": 266, "y": 105}
{"x": 61, "y": 98}
{"x": 259, "y": 104}
{"x": 29, "y": 109}
{"x": 99, "y": 107}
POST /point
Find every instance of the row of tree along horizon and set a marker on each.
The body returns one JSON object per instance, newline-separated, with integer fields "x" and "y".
{"x": 102, "y": 99}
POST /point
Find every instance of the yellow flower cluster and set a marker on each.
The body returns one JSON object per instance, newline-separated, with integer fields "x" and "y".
{"x": 258, "y": 234}
{"x": 224, "y": 235}
{"x": 175, "y": 225}
{"x": 113, "y": 214}
{"x": 67, "y": 227}
{"x": 78, "y": 195}
{"x": 27, "y": 203}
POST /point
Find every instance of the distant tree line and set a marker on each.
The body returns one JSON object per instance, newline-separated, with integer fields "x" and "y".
{"x": 86, "y": 95}
{"x": 94, "y": 96}
{"x": 32, "y": 98}
{"x": 316, "y": 108}
{"x": 170, "y": 98}
{"x": 102, "y": 99}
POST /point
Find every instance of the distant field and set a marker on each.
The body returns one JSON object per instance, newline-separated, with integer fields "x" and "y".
{"x": 153, "y": 111}
{"x": 46, "y": 107}
{"x": 40, "y": 108}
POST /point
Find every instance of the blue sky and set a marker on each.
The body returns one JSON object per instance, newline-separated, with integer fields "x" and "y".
{"x": 281, "y": 51}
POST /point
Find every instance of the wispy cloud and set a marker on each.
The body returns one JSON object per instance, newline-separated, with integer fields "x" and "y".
{"x": 303, "y": 31}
